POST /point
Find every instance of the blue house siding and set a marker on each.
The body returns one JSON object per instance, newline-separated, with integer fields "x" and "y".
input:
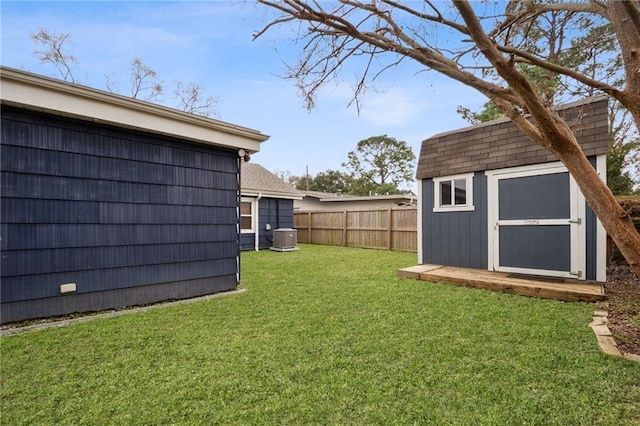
{"x": 247, "y": 241}
{"x": 129, "y": 217}
{"x": 456, "y": 238}
{"x": 276, "y": 212}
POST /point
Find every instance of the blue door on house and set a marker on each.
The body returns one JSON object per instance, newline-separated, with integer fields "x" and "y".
{"x": 536, "y": 222}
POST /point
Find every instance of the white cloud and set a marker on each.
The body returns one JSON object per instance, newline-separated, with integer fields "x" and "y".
{"x": 393, "y": 107}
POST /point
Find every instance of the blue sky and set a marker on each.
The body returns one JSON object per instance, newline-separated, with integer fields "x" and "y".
{"x": 210, "y": 43}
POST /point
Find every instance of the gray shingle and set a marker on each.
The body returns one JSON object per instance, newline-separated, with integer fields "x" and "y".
{"x": 255, "y": 178}
{"x": 500, "y": 144}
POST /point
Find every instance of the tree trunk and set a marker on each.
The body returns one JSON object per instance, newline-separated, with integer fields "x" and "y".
{"x": 629, "y": 38}
{"x": 618, "y": 223}
{"x": 554, "y": 134}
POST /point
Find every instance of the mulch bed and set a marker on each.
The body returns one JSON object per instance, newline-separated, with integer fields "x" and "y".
{"x": 623, "y": 298}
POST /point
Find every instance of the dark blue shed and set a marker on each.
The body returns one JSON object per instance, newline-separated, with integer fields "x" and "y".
{"x": 492, "y": 199}
{"x": 108, "y": 201}
{"x": 267, "y": 205}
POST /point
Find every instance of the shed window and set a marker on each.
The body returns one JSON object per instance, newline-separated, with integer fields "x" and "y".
{"x": 453, "y": 193}
{"x": 247, "y": 213}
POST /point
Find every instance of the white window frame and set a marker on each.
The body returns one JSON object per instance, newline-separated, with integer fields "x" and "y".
{"x": 254, "y": 212}
{"x": 468, "y": 206}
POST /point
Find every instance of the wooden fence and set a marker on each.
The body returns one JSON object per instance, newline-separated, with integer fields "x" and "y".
{"x": 391, "y": 229}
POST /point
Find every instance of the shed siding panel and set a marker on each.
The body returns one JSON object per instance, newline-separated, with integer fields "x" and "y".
{"x": 456, "y": 238}
{"x": 109, "y": 210}
{"x": 591, "y": 246}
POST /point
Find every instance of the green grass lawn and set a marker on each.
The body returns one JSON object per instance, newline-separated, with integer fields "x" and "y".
{"x": 325, "y": 335}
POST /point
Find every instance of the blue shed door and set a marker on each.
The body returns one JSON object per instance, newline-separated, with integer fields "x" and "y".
{"x": 537, "y": 223}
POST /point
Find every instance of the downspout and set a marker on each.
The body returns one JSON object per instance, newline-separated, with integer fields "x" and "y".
{"x": 256, "y": 236}
{"x": 241, "y": 154}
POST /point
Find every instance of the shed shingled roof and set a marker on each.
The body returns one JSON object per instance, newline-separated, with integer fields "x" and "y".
{"x": 257, "y": 179}
{"x": 499, "y": 144}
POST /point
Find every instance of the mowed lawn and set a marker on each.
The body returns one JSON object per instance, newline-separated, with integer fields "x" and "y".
{"x": 325, "y": 336}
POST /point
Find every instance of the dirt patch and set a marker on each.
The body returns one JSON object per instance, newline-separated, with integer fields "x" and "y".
{"x": 623, "y": 298}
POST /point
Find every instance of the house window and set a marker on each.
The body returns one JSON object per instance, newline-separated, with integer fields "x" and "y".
{"x": 453, "y": 193}
{"x": 247, "y": 214}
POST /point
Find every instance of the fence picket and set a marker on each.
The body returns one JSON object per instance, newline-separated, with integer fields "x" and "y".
{"x": 391, "y": 229}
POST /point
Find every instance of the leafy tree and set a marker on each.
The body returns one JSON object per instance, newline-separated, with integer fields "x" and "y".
{"x": 331, "y": 181}
{"x": 364, "y": 186}
{"x": 302, "y": 183}
{"x": 619, "y": 180}
{"x": 623, "y": 159}
{"x": 488, "y": 112}
{"x": 485, "y": 46}
{"x": 381, "y": 164}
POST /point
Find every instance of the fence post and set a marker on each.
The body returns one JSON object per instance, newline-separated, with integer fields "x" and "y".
{"x": 344, "y": 228}
{"x": 389, "y": 230}
{"x": 309, "y": 227}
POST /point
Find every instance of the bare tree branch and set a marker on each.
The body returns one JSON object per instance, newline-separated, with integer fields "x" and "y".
{"x": 192, "y": 100}
{"x": 55, "y": 52}
{"x": 494, "y": 62}
{"x": 144, "y": 79}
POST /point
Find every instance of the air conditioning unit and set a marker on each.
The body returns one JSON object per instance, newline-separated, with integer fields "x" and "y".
{"x": 285, "y": 239}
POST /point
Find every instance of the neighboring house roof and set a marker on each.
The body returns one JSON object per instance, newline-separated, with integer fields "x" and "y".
{"x": 499, "y": 144}
{"x": 400, "y": 198}
{"x": 326, "y": 197}
{"x": 256, "y": 180}
{"x": 319, "y": 195}
{"x": 330, "y": 196}
{"x": 38, "y": 93}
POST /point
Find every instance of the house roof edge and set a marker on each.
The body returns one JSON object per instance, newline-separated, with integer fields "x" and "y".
{"x": 40, "y": 93}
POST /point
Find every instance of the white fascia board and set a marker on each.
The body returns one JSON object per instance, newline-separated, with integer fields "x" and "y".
{"x": 38, "y": 93}
{"x": 601, "y": 233}
{"x": 339, "y": 199}
{"x": 267, "y": 194}
{"x": 420, "y": 224}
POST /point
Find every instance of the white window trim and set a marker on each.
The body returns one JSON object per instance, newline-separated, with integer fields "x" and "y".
{"x": 468, "y": 177}
{"x": 254, "y": 212}
{"x": 601, "y": 233}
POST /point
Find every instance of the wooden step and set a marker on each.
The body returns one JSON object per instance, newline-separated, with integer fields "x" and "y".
{"x": 569, "y": 290}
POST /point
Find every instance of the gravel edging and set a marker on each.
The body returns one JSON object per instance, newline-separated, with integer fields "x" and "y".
{"x": 605, "y": 338}
{"x": 63, "y": 323}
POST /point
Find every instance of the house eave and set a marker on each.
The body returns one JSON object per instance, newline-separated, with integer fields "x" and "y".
{"x": 269, "y": 194}
{"x": 368, "y": 198}
{"x": 37, "y": 93}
